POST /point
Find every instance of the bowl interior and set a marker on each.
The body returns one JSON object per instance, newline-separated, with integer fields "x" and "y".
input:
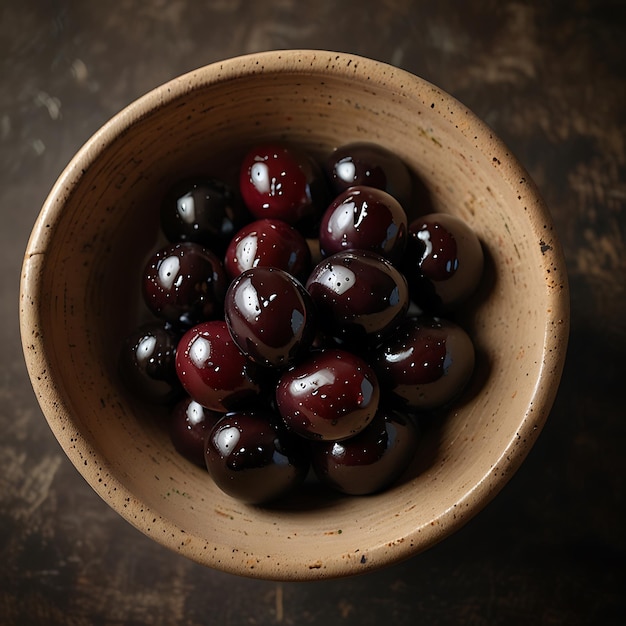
{"x": 80, "y": 295}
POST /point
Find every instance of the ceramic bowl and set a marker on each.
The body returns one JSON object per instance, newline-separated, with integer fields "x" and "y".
{"x": 80, "y": 297}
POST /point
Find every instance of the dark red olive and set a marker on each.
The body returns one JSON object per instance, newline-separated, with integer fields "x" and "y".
{"x": 204, "y": 210}
{"x": 331, "y": 395}
{"x": 443, "y": 263}
{"x": 366, "y": 163}
{"x": 268, "y": 243}
{"x": 189, "y": 426}
{"x": 358, "y": 295}
{"x": 213, "y": 371}
{"x": 370, "y": 461}
{"x": 186, "y": 283}
{"x": 364, "y": 218}
{"x": 251, "y": 457}
{"x": 424, "y": 364}
{"x": 270, "y": 316}
{"x": 147, "y": 362}
{"x": 281, "y": 181}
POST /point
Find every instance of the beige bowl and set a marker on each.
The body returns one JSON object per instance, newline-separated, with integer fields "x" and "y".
{"x": 79, "y": 297}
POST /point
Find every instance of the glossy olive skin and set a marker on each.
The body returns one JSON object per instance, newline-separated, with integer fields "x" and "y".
{"x": 331, "y": 395}
{"x": 370, "y": 461}
{"x": 213, "y": 371}
{"x": 424, "y": 364}
{"x": 189, "y": 426}
{"x": 365, "y": 163}
{"x": 268, "y": 243}
{"x": 358, "y": 295}
{"x": 251, "y": 457}
{"x": 364, "y": 218}
{"x": 281, "y": 376}
{"x": 443, "y": 263}
{"x": 147, "y": 362}
{"x": 203, "y": 210}
{"x": 270, "y": 316}
{"x": 184, "y": 283}
{"x": 281, "y": 181}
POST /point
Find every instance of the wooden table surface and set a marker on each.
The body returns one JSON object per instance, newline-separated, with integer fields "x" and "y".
{"x": 549, "y": 77}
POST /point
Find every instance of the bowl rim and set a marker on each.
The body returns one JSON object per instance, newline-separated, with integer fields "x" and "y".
{"x": 57, "y": 406}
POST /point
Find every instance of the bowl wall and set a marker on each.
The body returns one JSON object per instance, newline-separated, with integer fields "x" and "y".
{"x": 80, "y": 295}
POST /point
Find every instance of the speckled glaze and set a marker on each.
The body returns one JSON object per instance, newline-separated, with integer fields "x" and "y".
{"x": 79, "y": 298}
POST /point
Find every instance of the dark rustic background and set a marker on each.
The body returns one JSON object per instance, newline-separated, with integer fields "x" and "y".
{"x": 549, "y": 77}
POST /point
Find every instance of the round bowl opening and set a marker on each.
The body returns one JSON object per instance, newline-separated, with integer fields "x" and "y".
{"x": 80, "y": 296}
